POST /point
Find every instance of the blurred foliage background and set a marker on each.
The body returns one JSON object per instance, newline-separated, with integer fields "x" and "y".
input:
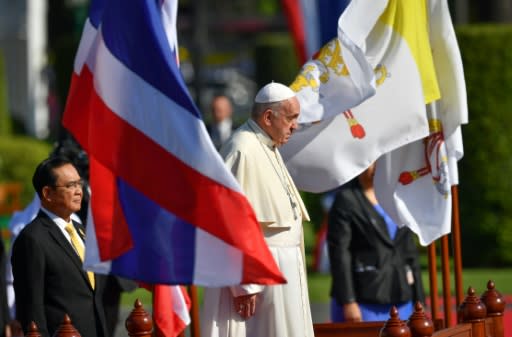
{"x": 19, "y": 156}
{"x": 485, "y": 184}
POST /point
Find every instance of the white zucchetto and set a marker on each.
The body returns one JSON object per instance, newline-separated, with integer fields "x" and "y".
{"x": 274, "y": 92}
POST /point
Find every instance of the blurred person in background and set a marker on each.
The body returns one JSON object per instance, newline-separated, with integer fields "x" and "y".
{"x": 221, "y": 126}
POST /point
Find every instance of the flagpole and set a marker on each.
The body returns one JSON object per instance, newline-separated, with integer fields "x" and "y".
{"x": 457, "y": 251}
{"x": 445, "y": 265}
{"x": 194, "y": 312}
{"x": 432, "y": 274}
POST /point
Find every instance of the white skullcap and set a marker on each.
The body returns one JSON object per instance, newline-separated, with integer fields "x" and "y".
{"x": 274, "y": 92}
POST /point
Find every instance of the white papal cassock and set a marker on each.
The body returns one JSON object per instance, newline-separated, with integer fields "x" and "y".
{"x": 281, "y": 310}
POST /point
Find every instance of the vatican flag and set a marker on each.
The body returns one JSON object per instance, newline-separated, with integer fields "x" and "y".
{"x": 412, "y": 48}
{"x": 338, "y": 141}
{"x": 413, "y": 183}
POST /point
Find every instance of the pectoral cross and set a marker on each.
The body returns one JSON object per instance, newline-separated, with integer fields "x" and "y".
{"x": 294, "y": 207}
{"x": 283, "y": 178}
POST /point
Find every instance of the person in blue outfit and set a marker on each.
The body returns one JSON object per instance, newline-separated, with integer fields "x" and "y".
{"x": 374, "y": 263}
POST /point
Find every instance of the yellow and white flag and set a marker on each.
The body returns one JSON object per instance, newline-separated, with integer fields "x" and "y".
{"x": 413, "y": 183}
{"x": 338, "y": 141}
{"x": 412, "y": 48}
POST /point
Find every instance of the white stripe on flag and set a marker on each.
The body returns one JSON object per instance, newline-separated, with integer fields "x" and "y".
{"x": 179, "y": 305}
{"x": 168, "y": 12}
{"x": 86, "y": 46}
{"x": 92, "y": 260}
{"x": 124, "y": 92}
{"x": 216, "y": 263}
{"x": 211, "y": 256}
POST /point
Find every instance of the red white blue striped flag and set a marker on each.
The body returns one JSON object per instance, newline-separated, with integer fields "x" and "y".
{"x": 164, "y": 209}
{"x": 312, "y": 23}
{"x": 162, "y": 199}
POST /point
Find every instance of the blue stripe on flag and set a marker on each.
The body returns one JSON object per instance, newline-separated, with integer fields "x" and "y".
{"x": 329, "y": 11}
{"x": 162, "y": 242}
{"x": 96, "y": 12}
{"x": 134, "y": 34}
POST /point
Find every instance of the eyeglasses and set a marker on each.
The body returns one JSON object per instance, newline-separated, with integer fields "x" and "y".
{"x": 72, "y": 185}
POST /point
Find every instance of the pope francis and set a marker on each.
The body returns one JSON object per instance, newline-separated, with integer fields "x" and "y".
{"x": 253, "y": 157}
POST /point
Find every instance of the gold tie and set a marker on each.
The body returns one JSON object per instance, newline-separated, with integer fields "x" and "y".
{"x": 75, "y": 241}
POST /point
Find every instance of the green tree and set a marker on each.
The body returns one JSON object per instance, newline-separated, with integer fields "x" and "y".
{"x": 275, "y": 59}
{"x": 19, "y": 156}
{"x": 485, "y": 198}
{"x": 5, "y": 120}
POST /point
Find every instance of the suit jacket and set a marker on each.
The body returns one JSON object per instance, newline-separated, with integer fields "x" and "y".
{"x": 49, "y": 281}
{"x": 366, "y": 264}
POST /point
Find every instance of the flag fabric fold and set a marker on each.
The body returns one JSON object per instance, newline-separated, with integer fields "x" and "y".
{"x": 174, "y": 300}
{"x": 393, "y": 38}
{"x": 312, "y": 23}
{"x": 171, "y": 306}
{"x": 414, "y": 182}
{"x": 412, "y": 50}
{"x": 164, "y": 207}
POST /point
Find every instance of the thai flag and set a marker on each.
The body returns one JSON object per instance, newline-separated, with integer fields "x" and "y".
{"x": 171, "y": 305}
{"x": 164, "y": 209}
{"x": 312, "y": 23}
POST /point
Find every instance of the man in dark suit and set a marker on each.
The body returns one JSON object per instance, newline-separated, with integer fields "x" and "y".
{"x": 47, "y": 258}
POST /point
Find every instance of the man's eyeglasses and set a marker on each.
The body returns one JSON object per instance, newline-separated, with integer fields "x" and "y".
{"x": 72, "y": 184}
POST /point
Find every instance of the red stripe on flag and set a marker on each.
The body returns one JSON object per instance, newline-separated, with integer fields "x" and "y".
{"x": 112, "y": 231}
{"x": 169, "y": 182}
{"x": 167, "y": 321}
{"x": 107, "y": 213}
{"x": 296, "y": 25}
{"x": 76, "y": 114}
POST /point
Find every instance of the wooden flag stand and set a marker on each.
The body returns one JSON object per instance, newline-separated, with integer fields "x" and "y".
{"x": 445, "y": 267}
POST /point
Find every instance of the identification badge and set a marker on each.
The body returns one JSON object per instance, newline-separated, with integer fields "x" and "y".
{"x": 409, "y": 275}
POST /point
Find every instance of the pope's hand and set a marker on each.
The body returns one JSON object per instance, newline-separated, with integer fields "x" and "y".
{"x": 245, "y": 305}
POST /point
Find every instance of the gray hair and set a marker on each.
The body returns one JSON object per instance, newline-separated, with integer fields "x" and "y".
{"x": 259, "y": 108}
